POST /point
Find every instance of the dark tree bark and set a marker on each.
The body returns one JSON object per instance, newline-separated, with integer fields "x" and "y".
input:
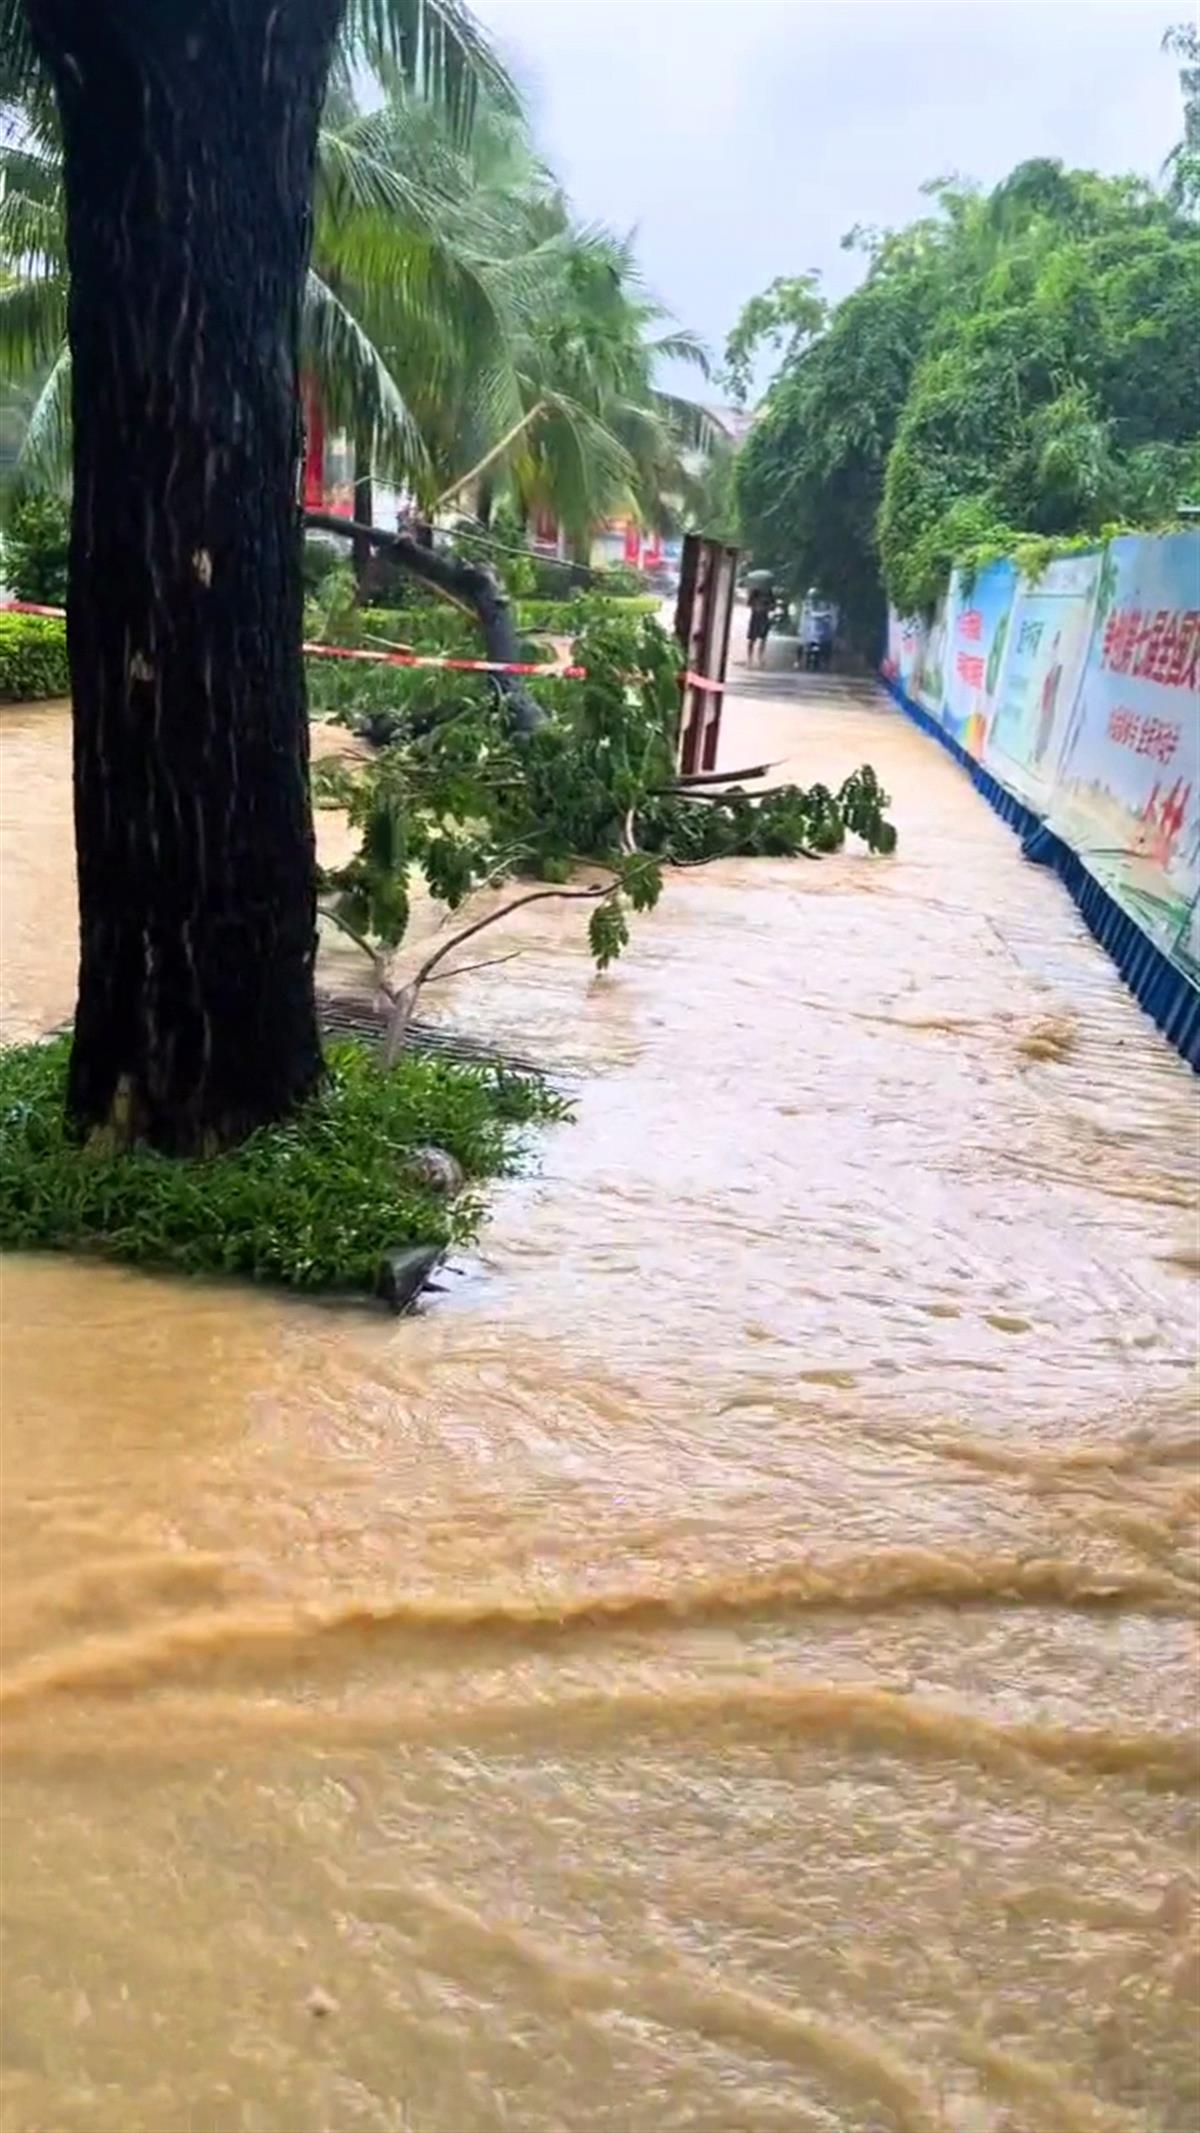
{"x": 469, "y": 585}
{"x": 189, "y": 138}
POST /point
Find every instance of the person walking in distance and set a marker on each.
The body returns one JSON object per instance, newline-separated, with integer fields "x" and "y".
{"x": 762, "y": 607}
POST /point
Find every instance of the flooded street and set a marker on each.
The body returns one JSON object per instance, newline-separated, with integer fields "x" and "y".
{"x": 729, "y": 1664}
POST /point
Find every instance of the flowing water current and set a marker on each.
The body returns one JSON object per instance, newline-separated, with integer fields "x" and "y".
{"x": 729, "y": 1663}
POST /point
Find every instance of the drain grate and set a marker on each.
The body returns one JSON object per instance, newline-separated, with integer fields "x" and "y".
{"x": 347, "y": 1014}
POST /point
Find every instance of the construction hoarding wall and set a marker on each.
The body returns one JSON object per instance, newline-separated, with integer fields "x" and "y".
{"x": 1079, "y": 693}
{"x": 1048, "y": 641}
{"x": 976, "y": 637}
{"x": 1127, "y": 791}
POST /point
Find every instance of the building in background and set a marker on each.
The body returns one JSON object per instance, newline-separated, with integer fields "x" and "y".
{"x": 329, "y": 486}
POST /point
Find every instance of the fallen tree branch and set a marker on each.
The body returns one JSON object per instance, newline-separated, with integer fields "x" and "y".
{"x": 719, "y": 799}
{"x": 468, "y": 586}
{"x": 463, "y": 970}
{"x": 687, "y": 779}
{"x": 360, "y": 941}
{"x": 591, "y": 892}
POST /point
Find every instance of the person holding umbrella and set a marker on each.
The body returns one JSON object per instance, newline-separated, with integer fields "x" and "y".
{"x": 762, "y": 608}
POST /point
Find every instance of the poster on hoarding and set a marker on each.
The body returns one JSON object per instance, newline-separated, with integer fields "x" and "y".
{"x": 928, "y": 684}
{"x": 1048, "y": 638}
{"x": 977, "y": 637}
{"x": 906, "y": 641}
{"x": 1127, "y": 793}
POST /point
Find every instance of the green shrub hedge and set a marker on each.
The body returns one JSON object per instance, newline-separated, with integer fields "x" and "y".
{"x": 37, "y": 537}
{"x": 425, "y": 629}
{"x": 557, "y": 615}
{"x": 314, "y": 1203}
{"x": 446, "y": 630}
{"x": 33, "y": 658}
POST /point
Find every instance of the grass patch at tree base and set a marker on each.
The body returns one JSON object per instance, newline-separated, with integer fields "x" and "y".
{"x": 313, "y": 1204}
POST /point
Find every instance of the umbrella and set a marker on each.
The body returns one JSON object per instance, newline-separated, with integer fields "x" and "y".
{"x": 760, "y": 577}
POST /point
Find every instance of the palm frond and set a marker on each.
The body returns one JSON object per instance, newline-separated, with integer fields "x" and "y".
{"x": 682, "y": 346}
{"x": 44, "y": 458}
{"x": 358, "y": 389}
{"x": 33, "y": 323}
{"x": 31, "y": 233}
{"x": 19, "y": 65}
{"x": 438, "y": 48}
{"x": 355, "y": 175}
{"x": 37, "y": 172}
{"x": 583, "y": 470}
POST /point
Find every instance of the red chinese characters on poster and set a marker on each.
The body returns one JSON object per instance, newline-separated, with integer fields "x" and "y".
{"x": 1127, "y": 795}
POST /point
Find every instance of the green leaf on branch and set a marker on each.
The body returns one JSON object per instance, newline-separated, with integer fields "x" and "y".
{"x": 469, "y": 805}
{"x": 608, "y": 932}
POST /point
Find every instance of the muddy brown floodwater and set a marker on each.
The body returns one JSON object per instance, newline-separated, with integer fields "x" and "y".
{"x": 729, "y": 1664}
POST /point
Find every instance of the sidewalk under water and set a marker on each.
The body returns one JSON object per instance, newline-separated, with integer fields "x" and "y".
{"x": 730, "y": 1662}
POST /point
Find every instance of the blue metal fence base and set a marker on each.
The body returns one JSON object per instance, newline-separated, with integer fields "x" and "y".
{"x": 1165, "y": 992}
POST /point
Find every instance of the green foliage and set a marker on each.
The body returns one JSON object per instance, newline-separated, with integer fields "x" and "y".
{"x": 459, "y": 323}
{"x": 330, "y": 612}
{"x": 37, "y": 534}
{"x": 809, "y": 477}
{"x": 312, "y": 1203}
{"x": 550, "y": 616}
{"x": 33, "y": 658}
{"x": 790, "y": 820}
{"x": 616, "y": 581}
{"x": 382, "y": 703}
{"x": 517, "y": 565}
{"x": 784, "y": 318}
{"x": 1016, "y": 365}
{"x": 467, "y": 802}
{"x": 1182, "y": 167}
{"x": 565, "y": 617}
{"x": 321, "y": 555}
{"x": 608, "y": 933}
{"x": 554, "y": 579}
{"x": 429, "y": 627}
{"x": 1060, "y": 393}
{"x": 715, "y": 507}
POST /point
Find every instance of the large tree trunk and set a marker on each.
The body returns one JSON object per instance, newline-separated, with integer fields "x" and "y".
{"x": 189, "y": 137}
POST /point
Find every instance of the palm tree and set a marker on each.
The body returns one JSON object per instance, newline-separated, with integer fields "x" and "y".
{"x": 189, "y": 139}
{"x": 389, "y": 265}
{"x": 457, "y": 322}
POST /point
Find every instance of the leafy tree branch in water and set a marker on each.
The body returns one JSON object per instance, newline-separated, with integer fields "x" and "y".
{"x": 588, "y": 806}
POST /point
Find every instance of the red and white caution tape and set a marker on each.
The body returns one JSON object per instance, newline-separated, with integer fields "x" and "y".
{"x": 398, "y": 658}
{"x": 558, "y": 669}
{"x": 395, "y": 657}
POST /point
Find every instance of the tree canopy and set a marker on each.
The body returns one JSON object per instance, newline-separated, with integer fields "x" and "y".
{"x": 1015, "y": 364}
{"x": 457, "y": 316}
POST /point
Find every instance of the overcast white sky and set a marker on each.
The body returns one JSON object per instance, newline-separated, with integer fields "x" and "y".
{"x": 743, "y": 137}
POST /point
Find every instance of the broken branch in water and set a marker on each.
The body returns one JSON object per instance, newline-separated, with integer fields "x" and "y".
{"x": 469, "y": 586}
{"x": 686, "y": 779}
